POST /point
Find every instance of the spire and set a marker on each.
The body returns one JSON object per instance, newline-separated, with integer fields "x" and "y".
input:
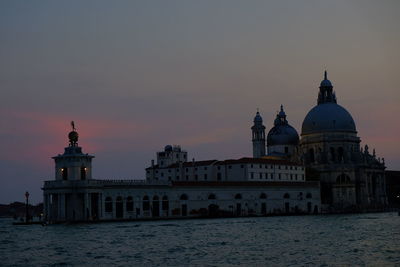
{"x": 280, "y": 117}
{"x": 326, "y": 75}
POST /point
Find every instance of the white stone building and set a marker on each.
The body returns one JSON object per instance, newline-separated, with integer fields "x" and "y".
{"x": 177, "y": 188}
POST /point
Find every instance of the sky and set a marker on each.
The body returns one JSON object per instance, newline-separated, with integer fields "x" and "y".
{"x": 138, "y": 75}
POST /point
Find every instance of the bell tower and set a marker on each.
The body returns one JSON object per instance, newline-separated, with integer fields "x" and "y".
{"x": 258, "y": 136}
{"x": 73, "y": 164}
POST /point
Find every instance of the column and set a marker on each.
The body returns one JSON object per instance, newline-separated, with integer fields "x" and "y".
{"x": 62, "y": 206}
{"x": 99, "y": 208}
{"x": 86, "y": 206}
{"x": 114, "y": 206}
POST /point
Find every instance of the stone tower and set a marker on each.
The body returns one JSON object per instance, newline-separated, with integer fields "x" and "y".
{"x": 73, "y": 164}
{"x": 258, "y": 136}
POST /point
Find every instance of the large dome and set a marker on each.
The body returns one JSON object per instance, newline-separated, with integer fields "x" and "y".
{"x": 282, "y": 133}
{"x": 328, "y": 117}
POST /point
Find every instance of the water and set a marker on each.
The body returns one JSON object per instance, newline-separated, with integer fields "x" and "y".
{"x": 361, "y": 239}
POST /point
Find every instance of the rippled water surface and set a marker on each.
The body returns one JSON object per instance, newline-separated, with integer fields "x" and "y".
{"x": 362, "y": 239}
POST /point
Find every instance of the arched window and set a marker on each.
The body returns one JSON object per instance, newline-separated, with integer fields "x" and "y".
{"x": 286, "y": 195}
{"x": 211, "y": 196}
{"x": 184, "y": 197}
{"x": 129, "y": 204}
{"x": 108, "y": 204}
{"x": 146, "y": 203}
{"x": 309, "y": 195}
{"x": 238, "y": 196}
{"x": 165, "y": 203}
{"x": 263, "y": 196}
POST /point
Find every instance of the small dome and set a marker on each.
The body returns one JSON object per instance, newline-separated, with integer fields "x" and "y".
{"x": 282, "y": 133}
{"x": 328, "y": 117}
{"x": 325, "y": 82}
{"x": 258, "y": 118}
{"x": 168, "y": 148}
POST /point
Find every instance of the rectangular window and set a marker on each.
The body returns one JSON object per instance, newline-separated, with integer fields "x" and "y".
{"x": 241, "y": 166}
{"x": 279, "y": 176}
{"x": 260, "y": 175}
{"x": 219, "y": 176}
{"x": 252, "y": 175}
{"x": 229, "y": 167}
{"x": 196, "y": 177}
{"x": 187, "y": 177}
{"x": 251, "y": 165}
{"x": 205, "y": 176}
{"x": 260, "y": 166}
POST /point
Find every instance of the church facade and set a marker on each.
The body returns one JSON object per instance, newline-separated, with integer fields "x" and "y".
{"x": 352, "y": 178}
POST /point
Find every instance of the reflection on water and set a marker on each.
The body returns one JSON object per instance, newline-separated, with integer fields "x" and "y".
{"x": 362, "y": 239}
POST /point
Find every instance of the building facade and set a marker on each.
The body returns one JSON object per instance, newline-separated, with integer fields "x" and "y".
{"x": 352, "y": 179}
{"x": 177, "y": 188}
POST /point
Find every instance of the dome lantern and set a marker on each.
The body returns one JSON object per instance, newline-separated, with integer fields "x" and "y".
{"x": 327, "y": 115}
{"x": 326, "y": 94}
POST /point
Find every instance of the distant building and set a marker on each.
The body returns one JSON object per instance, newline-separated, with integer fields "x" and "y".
{"x": 351, "y": 178}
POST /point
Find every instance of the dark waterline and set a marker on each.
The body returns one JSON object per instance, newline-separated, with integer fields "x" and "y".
{"x": 360, "y": 239}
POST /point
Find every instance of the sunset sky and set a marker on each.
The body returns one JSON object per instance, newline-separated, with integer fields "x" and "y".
{"x": 138, "y": 75}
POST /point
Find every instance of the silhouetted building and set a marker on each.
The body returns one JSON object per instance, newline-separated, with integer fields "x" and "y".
{"x": 351, "y": 178}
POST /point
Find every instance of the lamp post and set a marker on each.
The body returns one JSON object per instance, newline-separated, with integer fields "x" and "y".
{"x": 26, "y": 208}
